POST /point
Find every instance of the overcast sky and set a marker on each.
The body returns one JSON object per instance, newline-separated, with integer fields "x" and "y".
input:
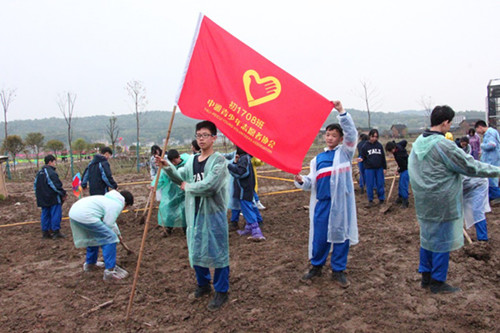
{"x": 407, "y": 50}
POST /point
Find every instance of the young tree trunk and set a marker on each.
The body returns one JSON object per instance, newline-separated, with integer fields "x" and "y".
{"x": 137, "y": 146}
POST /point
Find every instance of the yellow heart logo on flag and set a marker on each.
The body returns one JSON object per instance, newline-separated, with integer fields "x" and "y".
{"x": 266, "y": 89}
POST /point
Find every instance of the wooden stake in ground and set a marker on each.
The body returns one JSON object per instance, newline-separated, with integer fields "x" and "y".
{"x": 146, "y": 224}
{"x": 3, "y": 187}
{"x": 388, "y": 204}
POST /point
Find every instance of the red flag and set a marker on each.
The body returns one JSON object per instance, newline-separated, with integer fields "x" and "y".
{"x": 257, "y": 105}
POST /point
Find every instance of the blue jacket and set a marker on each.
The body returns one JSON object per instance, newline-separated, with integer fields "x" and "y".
{"x": 360, "y": 146}
{"x": 401, "y": 156}
{"x": 98, "y": 176}
{"x": 48, "y": 187}
{"x": 244, "y": 178}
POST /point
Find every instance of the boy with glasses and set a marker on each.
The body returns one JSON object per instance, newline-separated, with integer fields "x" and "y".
{"x": 204, "y": 179}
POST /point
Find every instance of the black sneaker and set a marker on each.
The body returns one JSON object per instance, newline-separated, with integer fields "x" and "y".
{"x": 399, "y": 200}
{"x": 426, "y": 280}
{"x": 202, "y": 290}
{"x": 381, "y": 202}
{"x": 57, "y": 234}
{"x": 313, "y": 272}
{"x": 340, "y": 279}
{"x": 441, "y": 287}
{"x": 370, "y": 204}
{"x": 218, "y": 300}
{"x": 405, "y": 203}
{"x": 46, "y": 234}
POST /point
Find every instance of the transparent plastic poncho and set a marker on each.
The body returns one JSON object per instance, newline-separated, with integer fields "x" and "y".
{"x": 342, "y": 223}
{"x": 207, "y": 232}
{"x": 93, "y": 219}
{"x": 476, "y": 203}
{"x": 171, "y": 212}
{"x": 436, "y": 166}
{"x": 491, "y": 151}
{"x": 233, "y": 203}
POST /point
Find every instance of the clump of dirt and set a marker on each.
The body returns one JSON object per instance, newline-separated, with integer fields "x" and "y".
{"x": 479, "y": 251}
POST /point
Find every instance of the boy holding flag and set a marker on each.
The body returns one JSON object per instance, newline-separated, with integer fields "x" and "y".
{"x": 204, "y": 179}
{"x": 332, "y": 208}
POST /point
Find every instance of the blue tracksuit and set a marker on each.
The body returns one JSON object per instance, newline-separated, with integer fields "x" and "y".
{"x": 98, "y": 176}
{"x": 49, "y": 194}
{"x": 374, "y": 162}
{"x": 244, "y": 185}
{"x": 361, "y": 166}
{"x": 321, "y": 247}
{"x": 401, "y": 156}
{"x": 435, "y": 263}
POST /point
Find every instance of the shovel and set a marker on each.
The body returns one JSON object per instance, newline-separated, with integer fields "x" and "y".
{"x": 125, "y": 247}
{"x": 385, "y": 208}
{"x": 143, "y": 217}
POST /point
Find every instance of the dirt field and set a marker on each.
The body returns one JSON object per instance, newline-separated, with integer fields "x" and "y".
{"x": 43, "y": 288}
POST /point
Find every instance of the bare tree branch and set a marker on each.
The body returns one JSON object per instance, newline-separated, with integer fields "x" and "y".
{"x": 137, "y": 93}
{"x": 113, "y": 131}
{"x": 426, "y": 103}
{"x": 6, "y": 96}
{"x": 66, "y": 103}
{"x": 371, "y": 96}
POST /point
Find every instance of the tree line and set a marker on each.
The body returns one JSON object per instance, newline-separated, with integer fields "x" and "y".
{"x": 34, "y": 144}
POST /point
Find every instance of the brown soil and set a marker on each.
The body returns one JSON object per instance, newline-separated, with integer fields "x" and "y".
{"x": 43, "y": 288}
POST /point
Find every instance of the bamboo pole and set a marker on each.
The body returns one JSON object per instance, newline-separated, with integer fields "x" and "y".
{"x": 146, "y": 224}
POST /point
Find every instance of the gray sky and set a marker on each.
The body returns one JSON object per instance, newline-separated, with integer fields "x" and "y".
{"x": 446, "y": 50}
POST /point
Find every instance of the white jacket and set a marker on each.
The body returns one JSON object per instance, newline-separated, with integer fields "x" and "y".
{"x": 99, "y": 208}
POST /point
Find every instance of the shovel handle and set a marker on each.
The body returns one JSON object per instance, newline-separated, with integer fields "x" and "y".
{"x": 390, "y": 191}
{"x": 125, "y": 246}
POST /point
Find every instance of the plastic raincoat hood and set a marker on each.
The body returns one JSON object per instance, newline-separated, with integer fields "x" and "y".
{"x": 423, "y": 145}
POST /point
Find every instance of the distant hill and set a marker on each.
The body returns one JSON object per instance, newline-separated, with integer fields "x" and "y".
{"x": 154, "y": 125}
